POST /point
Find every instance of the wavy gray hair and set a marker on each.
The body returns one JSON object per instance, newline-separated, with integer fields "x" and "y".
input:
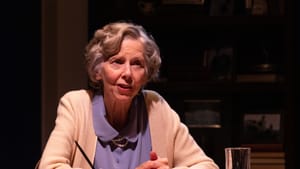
{"x": 107, "y": 41}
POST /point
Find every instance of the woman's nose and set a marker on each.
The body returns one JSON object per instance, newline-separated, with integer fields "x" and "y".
{"x": 127, "y": 69}
{"x": 127, "y": 72}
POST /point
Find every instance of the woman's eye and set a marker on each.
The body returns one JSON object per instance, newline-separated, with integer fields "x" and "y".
{"x": 137, "y": 63}
{"x": 117, "y": 61}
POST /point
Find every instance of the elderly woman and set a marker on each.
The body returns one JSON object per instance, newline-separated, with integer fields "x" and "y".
{"x": 116, "y": 123}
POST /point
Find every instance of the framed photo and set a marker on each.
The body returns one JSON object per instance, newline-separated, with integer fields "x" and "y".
{"x": 221, "y": 7}
{"x": 202, "y": 113}
{"x": 185, "y": 2}
{"x": 219, "y": 62}
{"x": 261, "y": 128}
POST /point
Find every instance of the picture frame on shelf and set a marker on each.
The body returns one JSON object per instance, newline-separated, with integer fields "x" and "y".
{"x": 221, "y": 8}
{"x": 262, "y": 131}
{"x": 260, "y": 7}
{"x": 202, "y": 113}
{"x": 218, "y": 62}
{"x": 183, "y": 2}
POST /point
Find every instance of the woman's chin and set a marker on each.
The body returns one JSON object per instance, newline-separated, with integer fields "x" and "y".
{"x": 124, "y": 98}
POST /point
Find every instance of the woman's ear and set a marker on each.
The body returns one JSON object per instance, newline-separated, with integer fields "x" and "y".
{"x": 98, "y": 76}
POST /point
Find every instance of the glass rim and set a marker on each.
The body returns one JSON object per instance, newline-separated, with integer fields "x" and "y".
{"x": 237, "y": 148}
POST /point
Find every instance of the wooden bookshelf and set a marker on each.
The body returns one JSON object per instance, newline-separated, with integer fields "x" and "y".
{"x": 185, "y": 33}
{"x": 267, "y": 160}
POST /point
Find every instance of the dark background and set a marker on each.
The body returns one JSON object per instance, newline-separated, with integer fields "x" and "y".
{"x": 21, "y": 83}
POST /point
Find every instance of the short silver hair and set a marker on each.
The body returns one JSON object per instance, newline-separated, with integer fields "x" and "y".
{"x": 107, "y": 41}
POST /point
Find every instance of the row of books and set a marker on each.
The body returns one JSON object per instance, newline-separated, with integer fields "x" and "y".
{"x": 267, "y": 160}
{"x": 240, "y": 78}
{"x": 263, "y": 77}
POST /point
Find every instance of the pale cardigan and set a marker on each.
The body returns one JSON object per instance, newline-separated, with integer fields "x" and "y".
{"x": 169, "y": 137}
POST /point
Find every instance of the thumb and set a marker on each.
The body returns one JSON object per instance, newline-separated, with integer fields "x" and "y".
{"x": 153, "y": 156}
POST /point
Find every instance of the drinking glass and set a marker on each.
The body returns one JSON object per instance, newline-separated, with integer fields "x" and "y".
{"x": 237, "y": 157}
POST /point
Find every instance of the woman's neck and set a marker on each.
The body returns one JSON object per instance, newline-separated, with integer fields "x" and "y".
{"x": 117, "y": 113}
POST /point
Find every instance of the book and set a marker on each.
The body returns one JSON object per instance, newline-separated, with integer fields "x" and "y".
{"x": 259, "y": 78}
{"x": 267, "y": 166}
{"x": 267, "y": 160}
{"x": 265, "y": 147}
{"x": 186, "y": 2}
{"x": 267, "y": 154}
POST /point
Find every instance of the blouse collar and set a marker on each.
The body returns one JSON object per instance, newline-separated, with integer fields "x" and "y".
{"x": 105, "y": 131}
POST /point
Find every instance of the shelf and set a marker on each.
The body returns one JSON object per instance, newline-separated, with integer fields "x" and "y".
{"x": 193, "y": 45}
{"x": 209, "y": 21}
{"x": 217, "y": 87}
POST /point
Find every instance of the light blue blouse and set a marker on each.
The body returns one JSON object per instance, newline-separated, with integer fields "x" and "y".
{"x": 136, "y": 132}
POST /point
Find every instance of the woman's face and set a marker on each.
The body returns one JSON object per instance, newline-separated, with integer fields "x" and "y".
{"x": 124, "y": 74}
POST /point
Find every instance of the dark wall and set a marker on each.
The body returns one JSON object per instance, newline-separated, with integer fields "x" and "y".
{"x": 297, "y": 84}
{"x": 20, "y": 83}
{"x": 102, "y": 12}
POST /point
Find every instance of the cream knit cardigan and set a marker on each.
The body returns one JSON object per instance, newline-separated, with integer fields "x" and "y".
{"x": 169, "y": 137}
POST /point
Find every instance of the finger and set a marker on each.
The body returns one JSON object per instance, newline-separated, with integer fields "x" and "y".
{"x": 153, "y": 155}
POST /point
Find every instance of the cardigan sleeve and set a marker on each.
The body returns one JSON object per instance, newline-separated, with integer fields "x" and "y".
{"x": 171, "y": 138}
{"x": 60, "y": 148}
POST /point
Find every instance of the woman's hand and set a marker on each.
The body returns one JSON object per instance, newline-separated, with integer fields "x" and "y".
{"x": 155, "y": 162}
